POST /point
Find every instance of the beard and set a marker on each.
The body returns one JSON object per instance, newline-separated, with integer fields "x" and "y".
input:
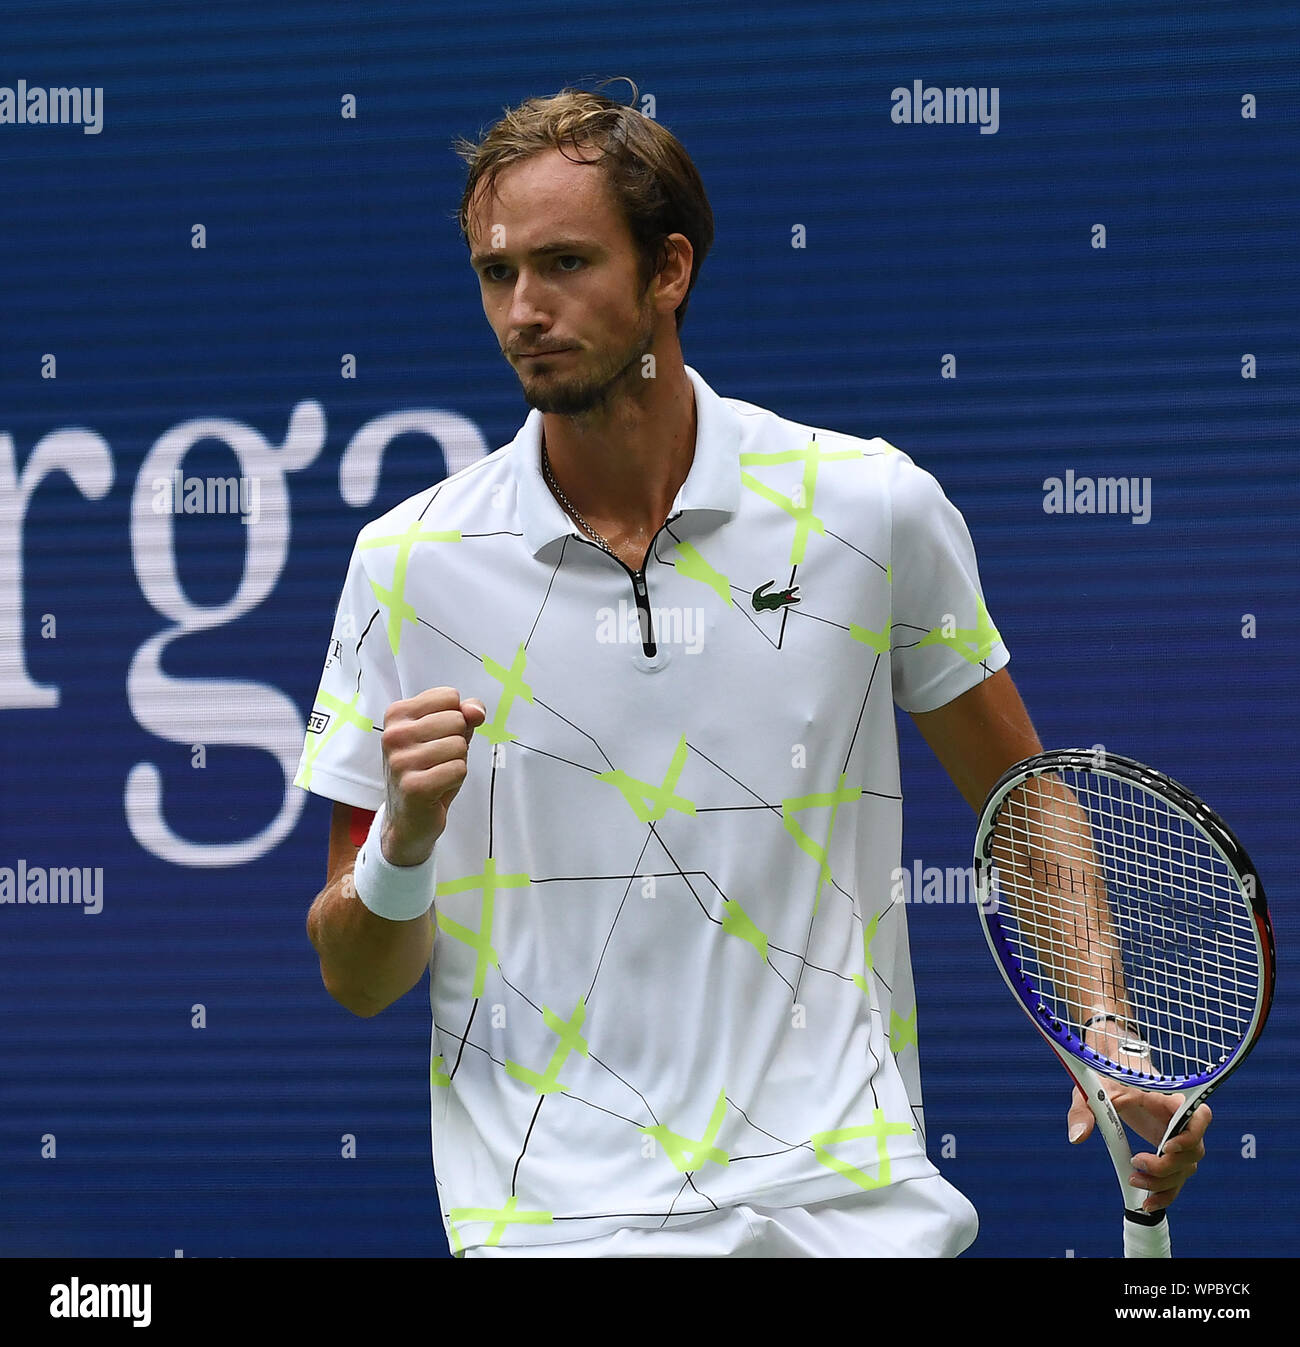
{"x": 591, "y": 392}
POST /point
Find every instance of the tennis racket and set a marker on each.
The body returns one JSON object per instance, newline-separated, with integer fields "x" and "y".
{"x": 1131, "y": 926}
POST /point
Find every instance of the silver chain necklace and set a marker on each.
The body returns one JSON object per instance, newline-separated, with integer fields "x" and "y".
{"x": 568, "y": 505}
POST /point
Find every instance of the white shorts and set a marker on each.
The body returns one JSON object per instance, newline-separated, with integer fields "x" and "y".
{"x": 917, "y": 1218}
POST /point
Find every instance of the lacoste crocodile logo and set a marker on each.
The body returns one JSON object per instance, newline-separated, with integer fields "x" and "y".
{"x": 764, "y": 600}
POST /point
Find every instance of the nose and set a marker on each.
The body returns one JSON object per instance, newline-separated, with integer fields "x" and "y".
{"x": 527, "y": 304}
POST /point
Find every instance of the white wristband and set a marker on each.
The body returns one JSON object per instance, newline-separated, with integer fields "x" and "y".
{"x": 397, "y": 892}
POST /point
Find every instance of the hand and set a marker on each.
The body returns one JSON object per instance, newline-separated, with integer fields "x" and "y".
{"x": 426, "y": 760}
{"x": 1149, "y": 1115}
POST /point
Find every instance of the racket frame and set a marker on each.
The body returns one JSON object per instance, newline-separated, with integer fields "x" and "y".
{"x": 1146, "y": 1234}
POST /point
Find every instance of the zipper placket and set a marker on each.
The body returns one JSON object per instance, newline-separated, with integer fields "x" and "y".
{"x": 639, "y": 590}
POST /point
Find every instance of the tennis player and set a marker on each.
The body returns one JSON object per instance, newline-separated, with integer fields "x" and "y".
{"x": 608, "y": 720}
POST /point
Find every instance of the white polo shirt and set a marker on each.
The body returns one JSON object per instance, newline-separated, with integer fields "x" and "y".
{"x": 667, "y": 974}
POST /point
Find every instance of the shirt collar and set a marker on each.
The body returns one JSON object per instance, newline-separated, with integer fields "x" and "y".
{"x": 712, "y": 484}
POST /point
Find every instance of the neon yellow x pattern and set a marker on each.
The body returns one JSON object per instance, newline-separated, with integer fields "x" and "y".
{"x": 805, "y": 521}
{"x": 394, "y": 599}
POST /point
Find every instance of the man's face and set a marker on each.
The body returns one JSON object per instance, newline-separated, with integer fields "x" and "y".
{"x": 580, "y": 294}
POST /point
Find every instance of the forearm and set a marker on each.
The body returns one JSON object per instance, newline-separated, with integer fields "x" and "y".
{"x": 1055, "y": 888}
{"x": 367, "y": 962}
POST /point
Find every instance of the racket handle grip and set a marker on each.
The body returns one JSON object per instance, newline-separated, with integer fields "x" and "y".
{"x": 1146, "y": 1235}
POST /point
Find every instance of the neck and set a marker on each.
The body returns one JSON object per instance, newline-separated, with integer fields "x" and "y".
{"x": 621, "y": 467}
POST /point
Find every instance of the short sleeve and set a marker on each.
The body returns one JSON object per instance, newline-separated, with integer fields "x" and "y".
{"x": 342, "y": 757}
{"x": 944, "y": 641}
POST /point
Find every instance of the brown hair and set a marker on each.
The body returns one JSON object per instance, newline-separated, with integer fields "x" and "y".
{"x": 647, "y": 168}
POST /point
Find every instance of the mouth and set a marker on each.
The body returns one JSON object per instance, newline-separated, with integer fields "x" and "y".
{"x": 543, "y": 355}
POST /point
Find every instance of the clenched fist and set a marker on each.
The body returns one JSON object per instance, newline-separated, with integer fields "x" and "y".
{"x": 426, "y": 759}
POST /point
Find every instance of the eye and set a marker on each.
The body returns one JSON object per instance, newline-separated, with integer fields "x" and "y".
{"x": 571, "y": 257}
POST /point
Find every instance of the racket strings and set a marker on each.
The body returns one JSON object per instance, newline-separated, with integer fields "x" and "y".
{"x": 1117, "y": 906}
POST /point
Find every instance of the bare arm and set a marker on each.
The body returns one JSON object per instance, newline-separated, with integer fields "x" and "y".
{"x": 978, "y": 735}
{"x": 366, "y": 962}
{"x": 1054, "y": 892}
